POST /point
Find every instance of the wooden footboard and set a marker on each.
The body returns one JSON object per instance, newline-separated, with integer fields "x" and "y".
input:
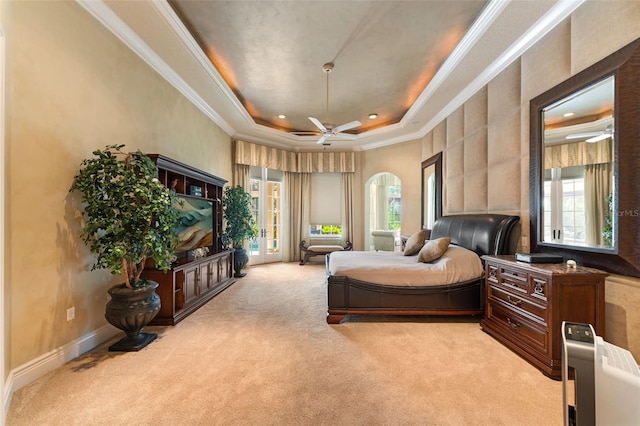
{"x": 349, "y": 296}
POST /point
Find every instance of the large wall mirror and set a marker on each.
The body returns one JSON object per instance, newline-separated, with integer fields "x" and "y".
{"x": 585, "y": 157}
{"x": 431, "y": 190}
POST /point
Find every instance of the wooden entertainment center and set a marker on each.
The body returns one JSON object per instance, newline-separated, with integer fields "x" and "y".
{"x": 192, "y": 281}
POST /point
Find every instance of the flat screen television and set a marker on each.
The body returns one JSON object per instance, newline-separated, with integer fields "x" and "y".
{"x": 601, "y": 381}
{"x": 195, "y": 226}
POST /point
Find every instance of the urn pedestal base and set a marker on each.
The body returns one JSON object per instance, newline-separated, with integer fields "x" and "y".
{"x": 133, "y": 343}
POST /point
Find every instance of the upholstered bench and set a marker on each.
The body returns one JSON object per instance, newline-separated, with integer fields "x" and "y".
{"x": 320, "y": 249}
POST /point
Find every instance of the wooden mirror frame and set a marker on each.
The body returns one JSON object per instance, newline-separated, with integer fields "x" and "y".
{"x": 624, "y": 65}
{"x": 435, "y": 160}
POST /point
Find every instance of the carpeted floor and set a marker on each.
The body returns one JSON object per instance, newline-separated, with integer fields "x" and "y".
{"x": 261, "y": 353}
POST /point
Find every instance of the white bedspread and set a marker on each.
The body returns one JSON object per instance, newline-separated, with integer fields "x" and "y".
{"x": 393, "y": 268}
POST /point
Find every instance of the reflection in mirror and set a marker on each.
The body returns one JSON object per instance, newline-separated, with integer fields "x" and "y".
{"x": 619, "y": 251}
{"x": 578, "y": 168}
{"x": 431, "y": 190}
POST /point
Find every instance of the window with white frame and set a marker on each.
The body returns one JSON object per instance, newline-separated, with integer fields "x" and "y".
{"x": 326, "y": 205}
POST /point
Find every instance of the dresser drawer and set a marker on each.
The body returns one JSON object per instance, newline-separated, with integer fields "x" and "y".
{"x": 514, "y": 279}
{"x": 518, "y": 327}
{"x": 516, "y": 302}
{"x": 524, "y": 285}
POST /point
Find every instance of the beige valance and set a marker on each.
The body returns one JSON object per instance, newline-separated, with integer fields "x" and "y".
{"x": 302, "y": 162}
{"x": 578, "y": 154}
{"x": 252, "y": 154}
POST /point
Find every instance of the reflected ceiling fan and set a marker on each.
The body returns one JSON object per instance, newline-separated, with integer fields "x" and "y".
{"x": 330, "y": 130}
{"x": 593, "y": 136}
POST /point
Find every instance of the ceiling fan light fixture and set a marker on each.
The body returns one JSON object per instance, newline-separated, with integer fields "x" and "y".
{"x": 330, "y": 130}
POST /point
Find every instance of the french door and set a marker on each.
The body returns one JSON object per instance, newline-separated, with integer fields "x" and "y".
{"x": 266, "y": 206}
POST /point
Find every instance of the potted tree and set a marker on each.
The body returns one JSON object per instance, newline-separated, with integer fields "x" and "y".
{"x": 239, "y": 225}
{"x": 129, "y": 218}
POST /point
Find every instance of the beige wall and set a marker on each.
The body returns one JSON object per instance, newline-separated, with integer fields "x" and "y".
{"x": 74, "y": 88}
{"x": 485, "y": 142}
{"x": 403, "y": 160}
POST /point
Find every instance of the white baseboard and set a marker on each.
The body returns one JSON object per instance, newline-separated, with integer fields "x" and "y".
{"x": 36, "y": 368}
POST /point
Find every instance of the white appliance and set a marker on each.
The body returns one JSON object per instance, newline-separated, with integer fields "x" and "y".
{"x": 601, "y": 381}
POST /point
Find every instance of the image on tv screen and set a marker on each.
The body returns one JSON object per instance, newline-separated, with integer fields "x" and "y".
{"x": 195, "y": 226}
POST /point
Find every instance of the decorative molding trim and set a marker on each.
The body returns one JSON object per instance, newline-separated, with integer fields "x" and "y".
{"x": 109, "y": 20}
{"x": 482, "y": 24}
{"x": 555, "y": 15}
{"x": 550, "y": 20}
{"x": 38, "y": 367}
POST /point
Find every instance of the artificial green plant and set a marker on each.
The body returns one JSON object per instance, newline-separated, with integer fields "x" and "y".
{"x": 239, "y": 222}
{"x": 129, "y": 213}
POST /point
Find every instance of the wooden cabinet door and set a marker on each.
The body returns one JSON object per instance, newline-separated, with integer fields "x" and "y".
{"x": 207, "y": 276}
{"x": 191, "y": 285}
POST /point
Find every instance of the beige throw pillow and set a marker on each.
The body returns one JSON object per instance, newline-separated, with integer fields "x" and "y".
{"x": 415, "y": 243}
{"x": 434, "y": 249}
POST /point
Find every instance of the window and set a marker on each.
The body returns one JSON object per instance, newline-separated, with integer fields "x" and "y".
{"x": 564, "y": 196}
{"x": 326, "y": 205}
{"x": 394, "y": 207}
{"x": 325, "y": 230}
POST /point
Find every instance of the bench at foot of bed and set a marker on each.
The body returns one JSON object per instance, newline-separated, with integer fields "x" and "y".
{"x": 320, "y": 250}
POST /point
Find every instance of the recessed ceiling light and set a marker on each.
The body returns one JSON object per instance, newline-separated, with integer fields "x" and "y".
{"x": 373, "y": 116}
{"x": 569, "y": 114}
{"x": 282, "y": 116}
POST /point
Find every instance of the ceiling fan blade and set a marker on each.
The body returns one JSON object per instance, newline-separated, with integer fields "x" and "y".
{"x": 305, "y": 133}
{"x": 322, "y": 139}
{"x": 318, "y": 124}
{"x": 598, "y": 138}
{"x": 583, "y": 135}
{"x": 346, "y": 126}
{"x": 347, "y": 136}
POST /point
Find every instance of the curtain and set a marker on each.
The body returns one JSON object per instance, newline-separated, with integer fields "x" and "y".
{"x": 288, "y": 161}
{"x": 578, "y": 154}
{"x": 597, "y": 187}
{"x": 242, "y": 176}
{"x": 347, "y": 207}
{"x": 295, "y": 214}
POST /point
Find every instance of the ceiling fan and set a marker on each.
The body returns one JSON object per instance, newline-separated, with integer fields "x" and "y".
{"x": 593, "y": 136}
{"x": 330, "y": 130}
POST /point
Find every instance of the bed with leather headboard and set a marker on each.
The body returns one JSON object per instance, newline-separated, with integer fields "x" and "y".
{"x": 392, "y": 283}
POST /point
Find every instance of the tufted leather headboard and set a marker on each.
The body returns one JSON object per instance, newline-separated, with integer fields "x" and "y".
{"x": 482, "y": 233}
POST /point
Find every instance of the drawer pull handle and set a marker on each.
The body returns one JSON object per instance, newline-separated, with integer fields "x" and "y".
{"x": 514, "y": 325}
{"x": 514, "y": 301}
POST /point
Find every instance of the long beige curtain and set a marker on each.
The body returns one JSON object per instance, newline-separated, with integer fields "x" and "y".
{"x": 242, "y": 176}
{"x": 347, "y": 207}
{"x": 597, "y": 187}
{"x": 295, "y": 214}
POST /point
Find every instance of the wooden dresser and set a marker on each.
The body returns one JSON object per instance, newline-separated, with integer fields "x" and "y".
{"x": 526, "y": 303}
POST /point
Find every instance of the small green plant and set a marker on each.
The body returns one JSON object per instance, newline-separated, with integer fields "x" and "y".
{"x": 129, "y": 213}
{"x": 239, "y": 222}
{"x": 607, "y": 231}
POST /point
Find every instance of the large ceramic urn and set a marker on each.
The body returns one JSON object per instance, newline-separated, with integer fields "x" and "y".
{"x": 130, "y": 309}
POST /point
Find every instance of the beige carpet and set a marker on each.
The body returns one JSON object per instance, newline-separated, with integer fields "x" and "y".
{"x": 261, "y": 353}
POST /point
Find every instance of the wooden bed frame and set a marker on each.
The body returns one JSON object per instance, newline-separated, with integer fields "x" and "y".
{"x": 481, "y": 233}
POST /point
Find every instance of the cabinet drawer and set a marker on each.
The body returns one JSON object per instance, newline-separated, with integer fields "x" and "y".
{"x": 516, "y": 302}
{"x": 519, "y": 328}
{"x": 514, "y": 279}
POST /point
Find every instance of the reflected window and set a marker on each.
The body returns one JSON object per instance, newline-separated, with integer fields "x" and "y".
{"x": 578, "y": 167}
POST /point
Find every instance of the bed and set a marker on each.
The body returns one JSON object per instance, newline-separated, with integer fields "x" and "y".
{"x": 388, "y": 283}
